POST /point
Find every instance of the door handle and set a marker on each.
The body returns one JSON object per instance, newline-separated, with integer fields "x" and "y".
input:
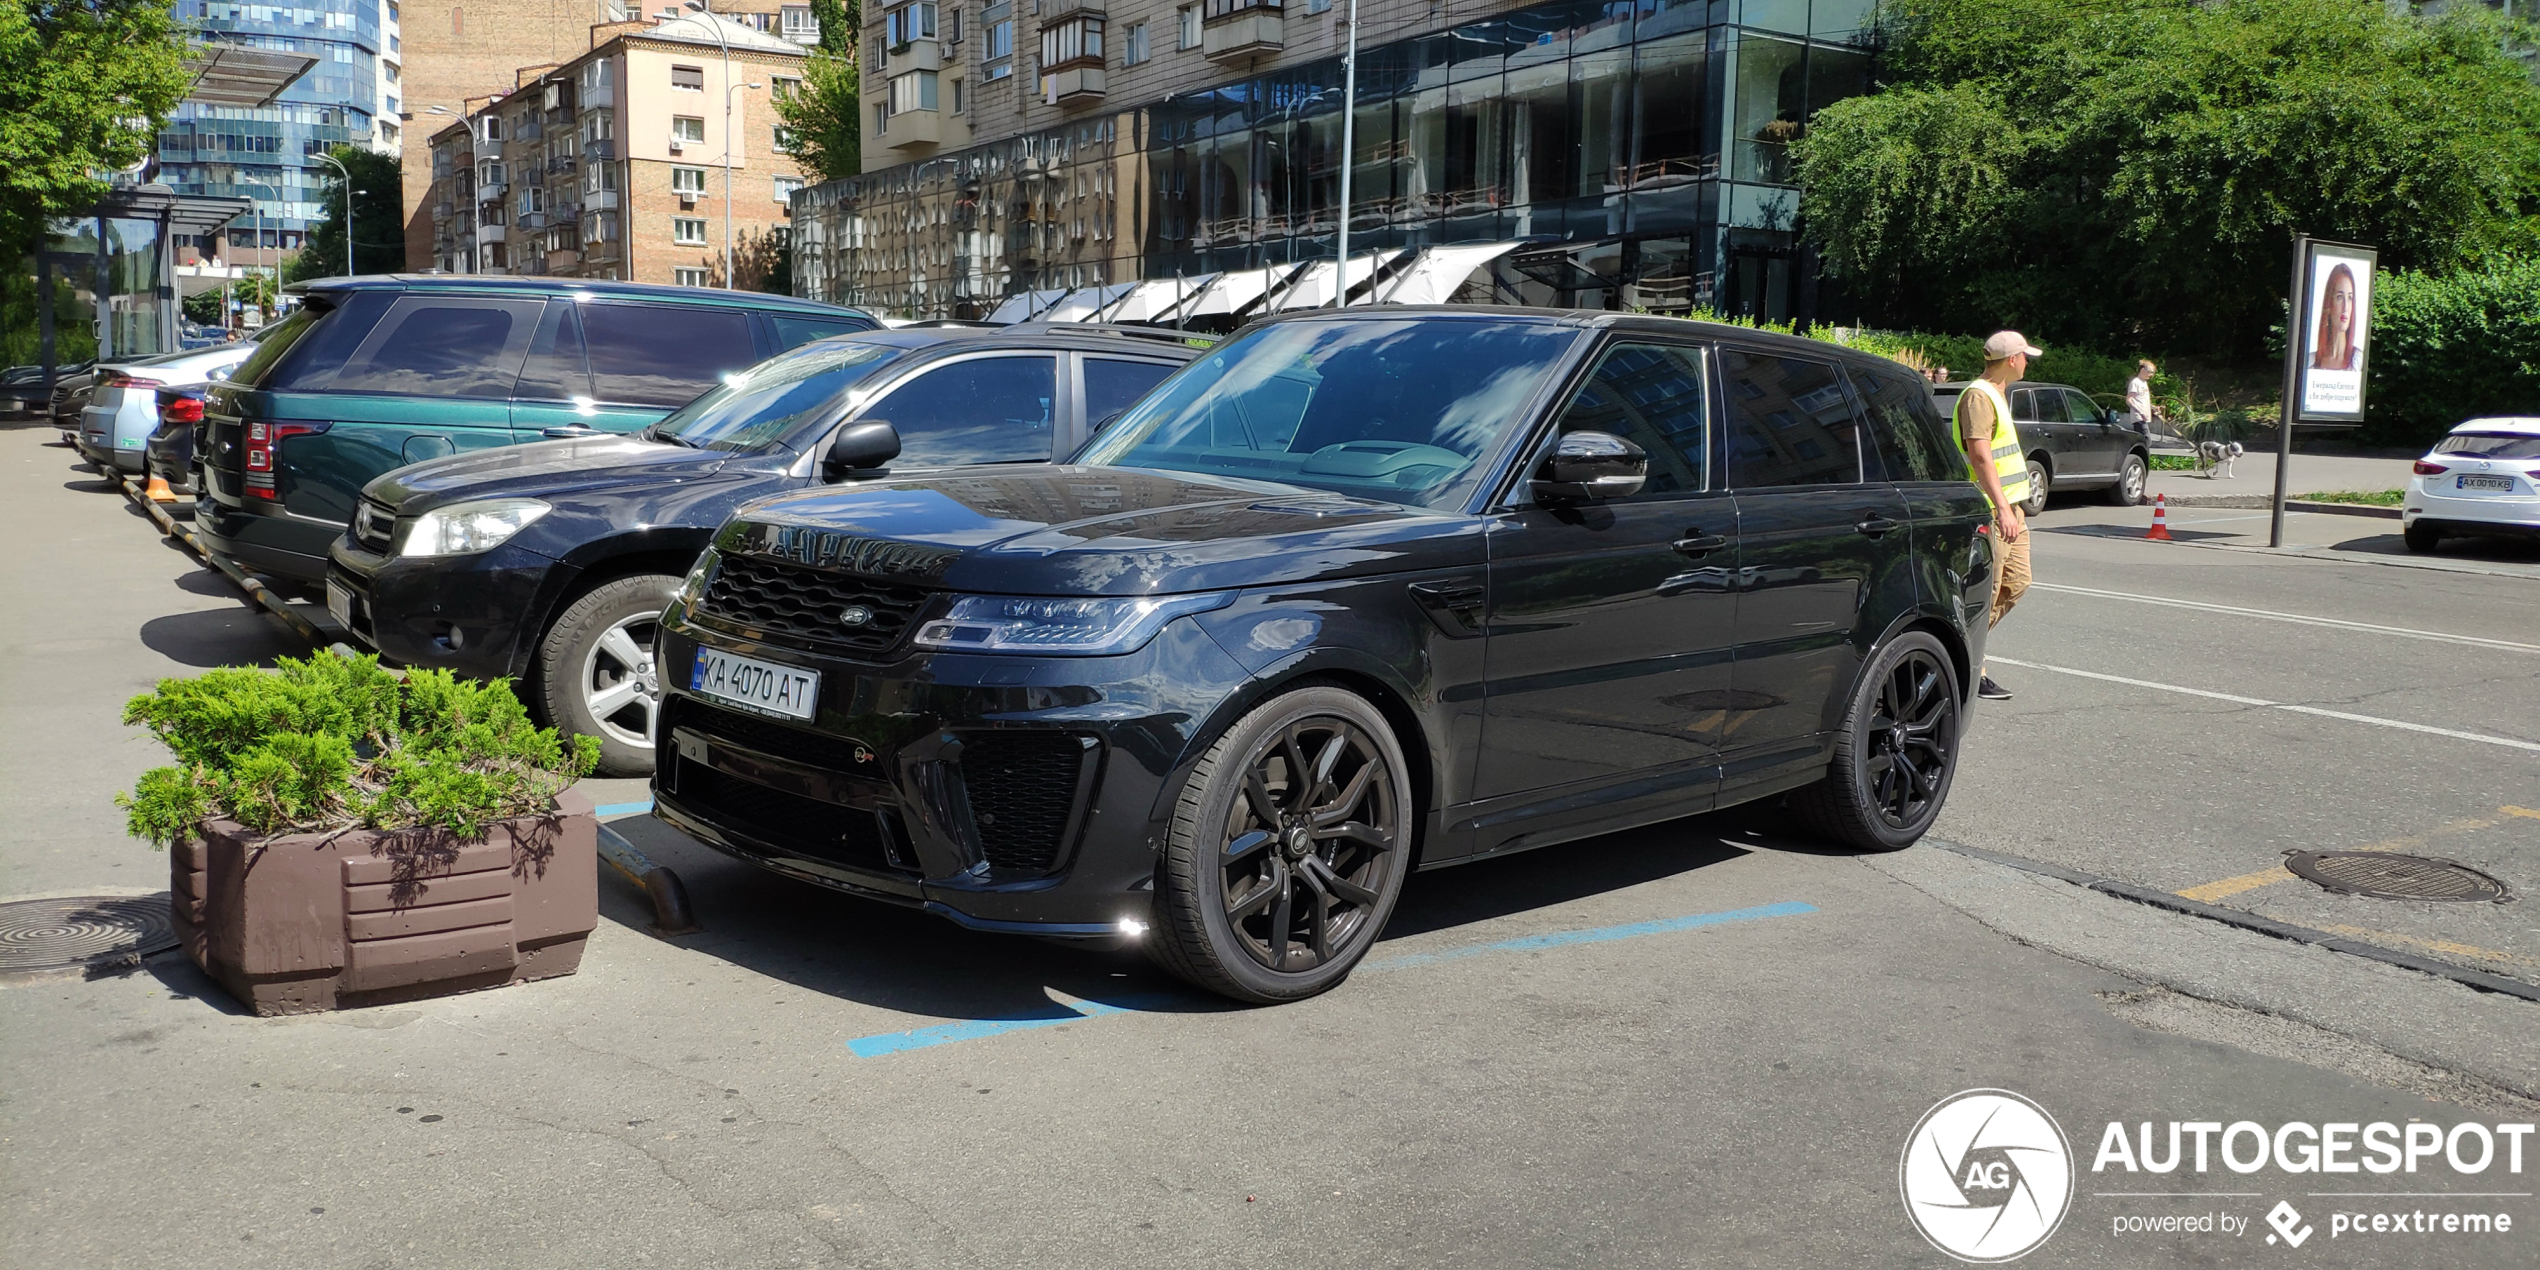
{"x": 1698, "y": 544}
{"x": 1875, "y": 527}
{"x": 570, "y": 430}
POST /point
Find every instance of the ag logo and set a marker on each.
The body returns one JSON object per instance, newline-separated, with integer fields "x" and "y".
{"x": 1986, "y": 1175}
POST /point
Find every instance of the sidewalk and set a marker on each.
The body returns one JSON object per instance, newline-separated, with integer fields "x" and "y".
{"x": 2318, "y": 535}
{"x": 2254, "y": 473}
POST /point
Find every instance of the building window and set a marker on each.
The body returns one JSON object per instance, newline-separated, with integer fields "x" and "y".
{"x": 595, "y": 76}
{"x": 689, "y": 78}
{"x": 599, "y": 125}
{"x": 799, "y": 25}
{"x": 1228, "y": 8}
{"x": 687, "y": 277}
{"x": 687, "y": 180}
{"x": 781, "y": 139}
{"x": 491, "y": 173}
{"x": 688, "y": 230}
{"x": 785, "y": 87}
{"x": 688, "y": 128}
{"x": 952, "y": 25}
{"x": 881, "y": 119}
{"x": 1133, "y": 44}
{"x": 913, "y": 91}
{"x": 493, "y": 127}
{"x": 959, "y": 104}
{"x": 908, "y": 22}
{"x": 1000, "y": 49}
{"x": 1186, "y": 26}
{"x": 786, "y": 187}
{"x": 1074, "y": 41}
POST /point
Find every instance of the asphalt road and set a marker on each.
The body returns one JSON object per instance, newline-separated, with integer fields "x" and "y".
{"x": 1697, "y": 1044}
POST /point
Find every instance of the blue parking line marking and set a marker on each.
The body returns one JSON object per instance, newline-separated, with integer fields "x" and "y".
{"x": 622, "y": 809}
{"x": 882, "y": 1043}
{"x": 1594, "y": 935}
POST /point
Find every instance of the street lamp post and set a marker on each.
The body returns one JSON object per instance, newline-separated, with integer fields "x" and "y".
{"x": 701, "y": 6}
{"x": 348, "y": 206}
{"x": 1349, "y": 151}
{"x": 256, "y": 214}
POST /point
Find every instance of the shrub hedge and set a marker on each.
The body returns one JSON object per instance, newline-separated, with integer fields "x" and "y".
{"x": 2451, "y": 347}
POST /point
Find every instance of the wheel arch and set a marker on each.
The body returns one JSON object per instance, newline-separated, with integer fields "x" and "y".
{"x": 596, "y": 564}
{"x": 1939, "y": 627}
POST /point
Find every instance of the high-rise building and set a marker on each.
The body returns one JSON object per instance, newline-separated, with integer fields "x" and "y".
{"x": 1626, "y": 153}
{"x": 614, "y": 164}
{"x": 268, "y": 153}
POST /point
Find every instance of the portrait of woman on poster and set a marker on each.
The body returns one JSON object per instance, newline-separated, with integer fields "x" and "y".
{"x": 2336, "y": 348}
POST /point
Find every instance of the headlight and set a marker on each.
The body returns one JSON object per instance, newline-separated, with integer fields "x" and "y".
{"x": 1073, "y": 628}
{"x": 463, "y": 528}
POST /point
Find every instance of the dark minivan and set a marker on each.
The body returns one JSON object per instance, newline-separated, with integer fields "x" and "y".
{"x": 371, "y": 374}
{"x": 550, "y": 563}
{"x": 1361, "y": 591}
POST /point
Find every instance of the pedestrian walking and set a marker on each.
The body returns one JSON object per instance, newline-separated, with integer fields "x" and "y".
{"x": 2138, "y": 395}
{"x": 2000, "y": 467}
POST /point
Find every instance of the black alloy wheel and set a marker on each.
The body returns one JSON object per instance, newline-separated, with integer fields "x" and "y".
{"x": 1896, "y": 755}
{"x": 1289, "y": 847}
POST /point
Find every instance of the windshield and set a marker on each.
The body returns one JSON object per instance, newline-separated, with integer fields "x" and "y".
{"x": 763, "y": 403}
{"x": 1399, "y": 410}
{"x": 2490, "y": 445}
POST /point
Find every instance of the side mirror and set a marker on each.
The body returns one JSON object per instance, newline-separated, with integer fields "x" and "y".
{"x": 858, "y": 446}
{"x": 1587, "y": 466}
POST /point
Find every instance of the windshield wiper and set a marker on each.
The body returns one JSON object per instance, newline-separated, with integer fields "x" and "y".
{"x": 654, "y": 433}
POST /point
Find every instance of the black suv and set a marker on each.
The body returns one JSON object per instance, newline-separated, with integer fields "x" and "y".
{"x": 1360, "y": 591}
{"x": 2073, "y": 442}
{"x": 371, "y": 374}
{"x": 550, "y": 562}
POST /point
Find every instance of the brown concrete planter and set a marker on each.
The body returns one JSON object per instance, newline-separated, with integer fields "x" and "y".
{"x": 314, "y": 922}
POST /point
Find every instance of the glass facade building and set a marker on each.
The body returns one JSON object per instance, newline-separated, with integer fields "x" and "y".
{"x": 1637, "y": 149}
{"x": 265, "y": 153}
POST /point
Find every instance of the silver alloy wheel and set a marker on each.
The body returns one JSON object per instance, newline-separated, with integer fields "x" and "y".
{"x": 2037, "y": 489}
{"x": 620, "y": 686}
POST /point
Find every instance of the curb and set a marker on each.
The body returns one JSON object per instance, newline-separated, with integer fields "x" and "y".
{"x": 2144, "y": 895}
{"x": 2262, "y": 502}
{"x": 257, "y": 592}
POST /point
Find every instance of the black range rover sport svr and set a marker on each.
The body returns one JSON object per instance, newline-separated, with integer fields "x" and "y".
{"x": 1358, "y": 592}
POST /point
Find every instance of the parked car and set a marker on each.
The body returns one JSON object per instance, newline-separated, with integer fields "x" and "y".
{"x": 2073, "y": 442}
{"x": 551, "y": 563}
{"x": 2483, "y": 479}
{"x": 170, "y": 455}
{"x": 123, "y": 406}
{"x": 370, "y": 374}
{"x": 70, "y": 396}
{"x": 1361, "y": 591}
{"x": 22, "y": 390}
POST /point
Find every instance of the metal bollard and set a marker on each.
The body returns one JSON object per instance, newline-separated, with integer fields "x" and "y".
{"x": 671, "y": 914}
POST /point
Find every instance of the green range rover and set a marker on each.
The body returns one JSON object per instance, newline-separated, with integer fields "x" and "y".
{"x": 371, "y": 374}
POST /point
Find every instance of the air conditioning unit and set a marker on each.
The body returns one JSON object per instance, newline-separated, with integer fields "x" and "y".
{"x": 687, "y": 201}
{"x": 674, "y": 145}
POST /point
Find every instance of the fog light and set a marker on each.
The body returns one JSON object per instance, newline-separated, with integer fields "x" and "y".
{"x": 1132, "y": 927}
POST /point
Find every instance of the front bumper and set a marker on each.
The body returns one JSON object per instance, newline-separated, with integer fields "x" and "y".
{"x": 477, "y": 615}
{"x": 1024, "y": 794}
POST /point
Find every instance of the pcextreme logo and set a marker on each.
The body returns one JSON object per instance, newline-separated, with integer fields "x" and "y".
{"x": 1987, "y": 1175}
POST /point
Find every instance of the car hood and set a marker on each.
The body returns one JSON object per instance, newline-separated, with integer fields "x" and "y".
{"x": 540, "y": 469}
{"x": 1097, "y": 531}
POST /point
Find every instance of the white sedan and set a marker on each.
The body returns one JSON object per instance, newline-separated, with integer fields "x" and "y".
{"x": 2482, "y": 479}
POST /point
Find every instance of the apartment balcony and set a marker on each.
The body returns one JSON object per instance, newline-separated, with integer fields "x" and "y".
{"x": 915, "y": 128}
{"x": 488, "y": 149}
{"x": 491, "y": 192}
{"x": 490, "y": 234}
{"x": 1077, "y": 84}
{"x": 563, "y": 261}
{"x": 562, "y": 164}
{"x": 600, "y": 98}
{"x": 1243, "y": 34}
{"x": 599, "y": 151}
{"x": 916, "y": 55}
{"x": 599, "y": 200}
{"x": 531, "y": 220}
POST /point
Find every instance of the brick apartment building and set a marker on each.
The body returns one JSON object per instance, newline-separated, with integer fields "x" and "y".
{"x": 458, "y": 56}
{"x": 1619, "y": 153}
{"x": 612, "y": 164}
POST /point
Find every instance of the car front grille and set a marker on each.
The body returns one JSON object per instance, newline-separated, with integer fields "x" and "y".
{"x": 375, "y": 527}
{"x": 851, "y": 837}
{"x": 750, "y": 732}
{"x": 1022, "y": 788}
{"x": 808, "y": 606}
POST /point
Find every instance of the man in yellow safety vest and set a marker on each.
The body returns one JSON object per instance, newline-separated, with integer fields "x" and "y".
{"x": 2000, "y": 467}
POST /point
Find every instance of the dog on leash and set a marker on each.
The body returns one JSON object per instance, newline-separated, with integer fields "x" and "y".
{"x": 2220, "y": 455}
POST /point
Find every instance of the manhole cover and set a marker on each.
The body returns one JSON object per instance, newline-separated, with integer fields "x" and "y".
{"x": 2382, "y": 875}
{"x": 81, "y": 932}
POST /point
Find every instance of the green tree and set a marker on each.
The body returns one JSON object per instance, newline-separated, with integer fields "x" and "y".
{"x": 825, "y": 114}
{"x": 379, "y": 219}
{"x": 2130, "y": 172}
{"x": 84, "y": 88}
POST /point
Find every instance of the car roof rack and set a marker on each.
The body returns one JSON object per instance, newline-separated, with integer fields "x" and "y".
{"x": 1165, "y": 334}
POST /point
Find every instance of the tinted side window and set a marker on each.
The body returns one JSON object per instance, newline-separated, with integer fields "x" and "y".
{"x": 1114, "y": 385}
{"x": 557, "y": 369}
{"x": 1789, "y": 423}
{"x": 794, "y": 330}
{"x": 443, "y": 346}
{"x": 1911, "y": 436}
{"x": 984, "y": 410}
{"x": 304, "y": 352}
{"x": 2078, "y": 408}
{"x": 2024, "y": 406}
{"x": 662, "y": 354}
{"x": 1651, "y": 395}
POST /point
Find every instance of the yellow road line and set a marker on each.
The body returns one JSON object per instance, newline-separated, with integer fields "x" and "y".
{"x": 2520, "y": 811}
{"x": 2212, "y": 891}
{"x": 2432, "y": 945}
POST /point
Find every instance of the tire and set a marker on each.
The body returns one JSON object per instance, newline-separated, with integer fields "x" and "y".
{"x": 599, "y": 652}
{"x": 2421, "y": 537}
{"x": 1856, "y": 805}
{"x": 1220, "y": 900}
{"x": 2131, "y": 476}
{"x": 2037, "y": 490}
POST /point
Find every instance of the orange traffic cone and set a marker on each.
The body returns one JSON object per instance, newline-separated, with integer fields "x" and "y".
{"x": 2160, "y": 519}
{"x": 158, "y": 491}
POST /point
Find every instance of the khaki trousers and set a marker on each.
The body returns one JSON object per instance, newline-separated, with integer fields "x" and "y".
{"x": 2012, "y": 580}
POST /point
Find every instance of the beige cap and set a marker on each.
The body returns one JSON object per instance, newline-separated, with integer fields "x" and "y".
{"x": 2002, "y": 344}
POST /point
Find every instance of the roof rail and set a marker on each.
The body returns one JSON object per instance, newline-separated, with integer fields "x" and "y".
{"x": 1123, "y": 329}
